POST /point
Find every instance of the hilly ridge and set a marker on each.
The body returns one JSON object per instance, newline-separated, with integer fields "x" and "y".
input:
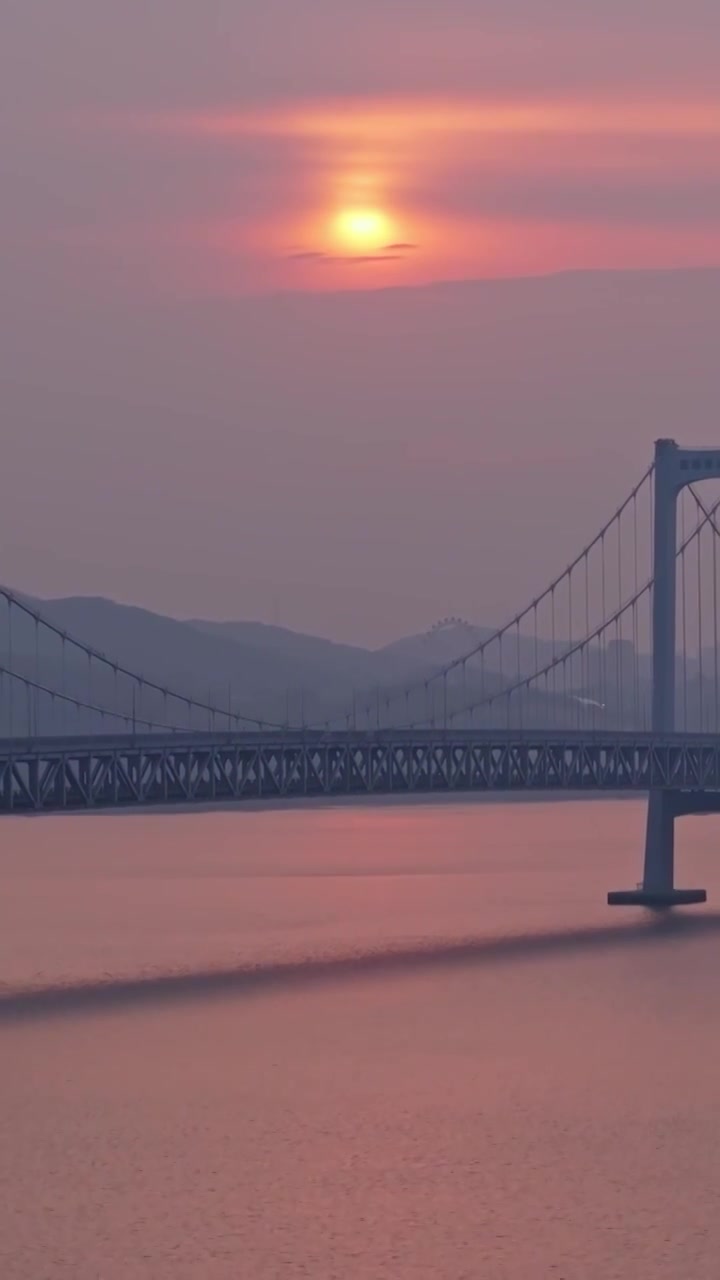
{"x": 254, "y": 670}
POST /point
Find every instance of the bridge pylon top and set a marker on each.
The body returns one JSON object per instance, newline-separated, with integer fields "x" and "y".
{"x": 679, "y": 466}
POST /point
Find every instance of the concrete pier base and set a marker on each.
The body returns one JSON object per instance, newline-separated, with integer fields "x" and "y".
{"x": 658, "y": 899}
{"x": 657, "y": 890}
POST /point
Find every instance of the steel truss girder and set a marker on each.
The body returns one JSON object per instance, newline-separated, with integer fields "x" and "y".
{"x": 101, "y": 774}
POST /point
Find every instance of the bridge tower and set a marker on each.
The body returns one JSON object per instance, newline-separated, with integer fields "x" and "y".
{"x": 674, "y": 468}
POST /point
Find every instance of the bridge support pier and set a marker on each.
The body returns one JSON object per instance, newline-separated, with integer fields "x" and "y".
{"x": 674, "y": 468}
{"x": 658, "y": 886}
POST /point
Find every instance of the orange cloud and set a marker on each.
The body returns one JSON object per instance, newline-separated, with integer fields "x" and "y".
{"x": 429, "y": 188}
{"x": 358, "y": 119}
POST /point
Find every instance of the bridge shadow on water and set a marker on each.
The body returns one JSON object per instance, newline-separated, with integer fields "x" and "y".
{"x": 245, "y": 979}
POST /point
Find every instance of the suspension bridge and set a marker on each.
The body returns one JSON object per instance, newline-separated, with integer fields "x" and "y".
{"x": 607, "y": 681}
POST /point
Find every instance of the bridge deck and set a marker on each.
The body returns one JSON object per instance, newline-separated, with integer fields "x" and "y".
{"x": 53, "y": 774}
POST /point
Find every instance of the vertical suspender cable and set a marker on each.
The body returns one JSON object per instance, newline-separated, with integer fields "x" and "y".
{"x": 601, "y": 638}
{"x": 11, "y": 682}
{"x": 715, "y": 622}
{"x": 701, "y": 698}
{"x": 518, "y": 671}
{"x": 635, "y": 636}
{"x": 684, "y": 612}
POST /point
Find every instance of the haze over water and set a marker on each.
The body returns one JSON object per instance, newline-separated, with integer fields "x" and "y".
{"x": 358, "y": 1042}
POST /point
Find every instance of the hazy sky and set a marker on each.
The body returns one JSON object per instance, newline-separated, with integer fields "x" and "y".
{"x": 187, "y": 424}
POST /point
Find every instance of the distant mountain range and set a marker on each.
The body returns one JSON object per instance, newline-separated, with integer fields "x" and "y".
{"x": 259, "y": 671}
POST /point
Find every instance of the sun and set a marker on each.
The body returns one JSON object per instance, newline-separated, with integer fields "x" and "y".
{"x": 362, "y": 230}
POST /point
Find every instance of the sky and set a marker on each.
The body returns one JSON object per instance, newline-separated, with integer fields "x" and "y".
{"x": 229, "y": 382}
